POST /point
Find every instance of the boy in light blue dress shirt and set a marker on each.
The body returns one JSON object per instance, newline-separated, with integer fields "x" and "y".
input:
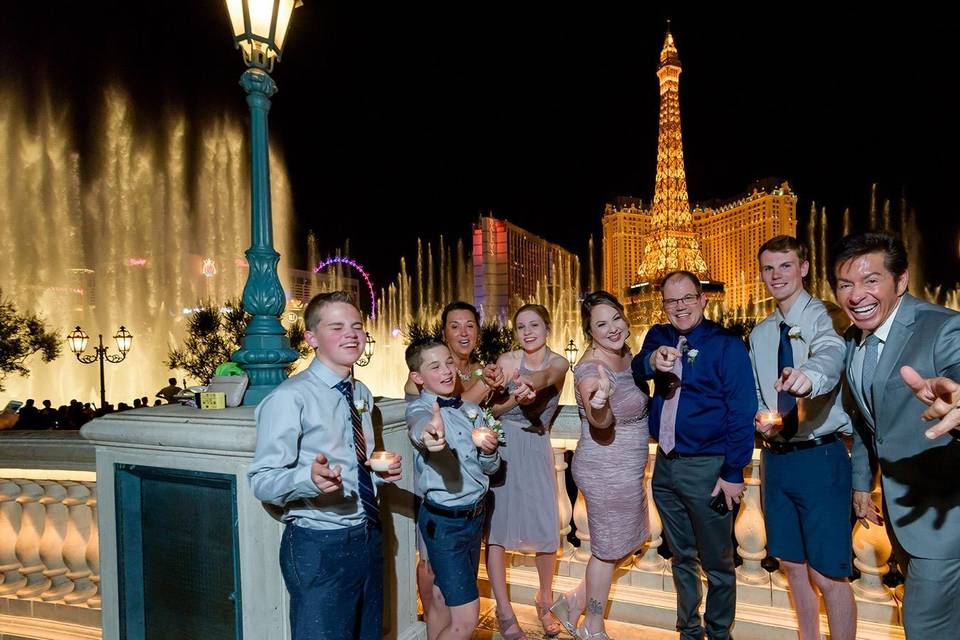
{"x": 797, "y": 359}
{"x": 314, "y": 438}
{"x": 452, "y": 468}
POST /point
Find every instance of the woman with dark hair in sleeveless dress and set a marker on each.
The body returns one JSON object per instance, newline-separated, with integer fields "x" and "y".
{"x": 524, "y": 515}
{"x": 609, "y": 462}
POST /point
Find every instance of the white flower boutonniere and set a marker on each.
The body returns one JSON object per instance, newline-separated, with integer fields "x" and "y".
{"x": 487, "y": 421}
{"x": 692, "y": 355}
{"x": 796, "y": 334}
{"x": 360, "y": 405}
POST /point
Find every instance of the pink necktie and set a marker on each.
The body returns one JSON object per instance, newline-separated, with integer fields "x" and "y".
{"x": 668, "y": 417}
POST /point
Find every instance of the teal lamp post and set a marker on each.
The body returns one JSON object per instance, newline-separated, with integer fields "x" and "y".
{"x": 259, "y": 31}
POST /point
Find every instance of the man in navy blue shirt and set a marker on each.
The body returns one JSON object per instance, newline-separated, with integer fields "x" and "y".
{"x": 702, "y": 416}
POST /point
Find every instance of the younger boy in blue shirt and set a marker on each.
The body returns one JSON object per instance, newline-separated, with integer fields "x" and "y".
{"x": 452, "y": 476}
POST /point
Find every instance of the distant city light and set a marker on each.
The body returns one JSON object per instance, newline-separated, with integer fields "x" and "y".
{"x": 209, "y": 268}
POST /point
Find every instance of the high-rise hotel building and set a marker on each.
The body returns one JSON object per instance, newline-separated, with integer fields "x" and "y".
{"x": 512, "y": 266}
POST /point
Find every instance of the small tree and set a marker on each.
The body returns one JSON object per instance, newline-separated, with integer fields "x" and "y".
{"x": 23, "y": 334}
{"x": 742, "y": 327}
{"x": 494, "y": 340}
{"x": 214, "y": 333}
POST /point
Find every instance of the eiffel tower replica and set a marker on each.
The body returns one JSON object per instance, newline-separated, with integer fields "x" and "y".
{"x": 671, "y": 243}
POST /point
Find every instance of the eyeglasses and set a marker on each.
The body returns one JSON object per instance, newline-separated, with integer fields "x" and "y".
{"x": 690, "y": 298}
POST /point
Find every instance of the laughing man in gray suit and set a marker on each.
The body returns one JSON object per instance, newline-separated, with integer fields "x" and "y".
{"x": 892, "y": 329}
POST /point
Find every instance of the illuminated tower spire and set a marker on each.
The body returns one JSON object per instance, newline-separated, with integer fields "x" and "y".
{"x": 672, "y": 243}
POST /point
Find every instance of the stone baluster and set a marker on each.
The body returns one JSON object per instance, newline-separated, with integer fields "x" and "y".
{"x": 51, "y": 542}
{"x": 93, "y": 546}
{"x": 749, "y": 531}
{"x": 564, "y": 508}
{"x": 651, "y": 560}
{"x": 872, "y": 549}
{"x": 11, "y": 580}
{"x": 77, "y": 542}
{"x": 28, "y": 542}
{"x": 583, "y": 528}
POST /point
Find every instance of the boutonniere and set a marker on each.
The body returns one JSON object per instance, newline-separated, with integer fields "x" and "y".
{"x": 360, "y": 404}
{"x": 796, "y": 334}
{"x": 690, "y": 353}
{"x": 486, "y": 420}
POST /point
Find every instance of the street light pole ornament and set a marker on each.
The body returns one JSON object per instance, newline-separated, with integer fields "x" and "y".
{"x": 368, "y": 350}
{"x": 77, "y": 341}
{"x": 571, "y": 353}
{"x": 259, "y": 29}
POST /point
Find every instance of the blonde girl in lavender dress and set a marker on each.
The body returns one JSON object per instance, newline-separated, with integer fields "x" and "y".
{"x": 523, "y": 513}
{"x": 609, "y": 462}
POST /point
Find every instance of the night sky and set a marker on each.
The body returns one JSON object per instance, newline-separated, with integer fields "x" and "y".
{"x": 410, "y": 119}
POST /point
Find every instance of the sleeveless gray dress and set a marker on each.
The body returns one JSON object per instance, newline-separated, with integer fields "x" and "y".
{"x": 608, "y": 467}
{"x": 524, "y": 515}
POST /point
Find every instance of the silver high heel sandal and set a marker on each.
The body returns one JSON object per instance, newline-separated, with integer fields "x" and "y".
{"x": 561, "y": 609}
{"x": 584, "y": 634}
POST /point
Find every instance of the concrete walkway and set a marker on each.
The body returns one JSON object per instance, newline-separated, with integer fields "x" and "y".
{"x": 527, "y": 616}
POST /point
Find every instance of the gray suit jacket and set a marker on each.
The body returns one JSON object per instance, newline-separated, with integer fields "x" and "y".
{"x": 921, "y": 487}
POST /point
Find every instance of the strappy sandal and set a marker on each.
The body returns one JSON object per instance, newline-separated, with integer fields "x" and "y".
{"x": 551, "y": 627}
{"x": 505, "y": 623}
{"x": 584, "y": 634}
{"x": 561, "y": 610}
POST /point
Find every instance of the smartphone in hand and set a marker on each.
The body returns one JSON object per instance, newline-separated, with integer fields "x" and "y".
{"x": 719, "y": 504}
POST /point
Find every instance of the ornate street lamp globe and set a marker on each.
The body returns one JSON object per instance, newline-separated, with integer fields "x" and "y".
{"x": 571, "y": 353}
{"x": 124, "y": 340}
{"x": 260, "y": 29}
{"x": 77, "y": 340}
{"x": 369, "y": 347}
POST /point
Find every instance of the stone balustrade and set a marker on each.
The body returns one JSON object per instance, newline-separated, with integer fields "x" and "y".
{"x": 50, "y": 547}
{"x": 49, "y": 539}
{"x": 643, "y": 590}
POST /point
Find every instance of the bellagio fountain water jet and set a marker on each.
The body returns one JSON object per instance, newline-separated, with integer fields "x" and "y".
{"x": 122, "y": 233}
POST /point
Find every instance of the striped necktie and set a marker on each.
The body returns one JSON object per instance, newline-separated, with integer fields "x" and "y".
{"x": 367, "y": 496}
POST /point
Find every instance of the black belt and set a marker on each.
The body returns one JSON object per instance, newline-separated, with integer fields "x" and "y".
{"x": 787, "y": 447}
{"x": 675, "y": 455}
{"x": 468, "y": 512}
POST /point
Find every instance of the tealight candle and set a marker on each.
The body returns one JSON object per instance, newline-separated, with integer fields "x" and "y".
{"x": 771, "y": 417}
{"x": 479, "y": 435}
{"x": 381, "y": 460}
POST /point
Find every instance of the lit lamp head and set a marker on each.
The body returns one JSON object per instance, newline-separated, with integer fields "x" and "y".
{"x": 571, "y": 353}
{"x": 260, "y": 29}
{"x": 370, "y": 346}
{"x": 77, "y": 340}
{"x": 368, "y": 350}
{"x": 124, "y": 340}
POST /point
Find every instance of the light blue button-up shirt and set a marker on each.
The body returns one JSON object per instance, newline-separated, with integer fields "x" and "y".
{"x": 458, "y": 475}
{"x": 818, "y": 351}
{"x": 306, "y": 415}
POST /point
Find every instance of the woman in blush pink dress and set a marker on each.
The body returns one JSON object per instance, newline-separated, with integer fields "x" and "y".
{"x": 609, "y": 462}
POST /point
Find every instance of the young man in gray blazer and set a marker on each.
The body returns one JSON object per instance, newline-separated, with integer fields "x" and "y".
{"x": 891, "y": 330}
